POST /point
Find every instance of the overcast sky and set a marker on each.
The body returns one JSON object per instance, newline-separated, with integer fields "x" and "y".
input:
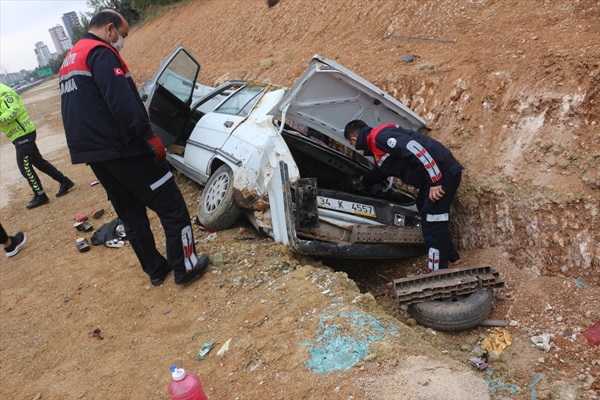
{"x": 23, "y": 23}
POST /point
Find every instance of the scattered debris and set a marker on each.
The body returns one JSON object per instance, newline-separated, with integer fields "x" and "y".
{"x": 224, "y": 348}
{"x": 419, "y": 38}
{"x": 580, "y": 284}
{"x": 204, "y": 350}
{"x": 478, "y": 363}
{"x": 497, "y": 341}
{"x": 592, "y": 334}
{"x": 407, "y": 58}
{"x": 542, "y": 342}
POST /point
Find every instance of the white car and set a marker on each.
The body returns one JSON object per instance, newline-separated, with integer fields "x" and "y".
{"x": 279, "y": 156}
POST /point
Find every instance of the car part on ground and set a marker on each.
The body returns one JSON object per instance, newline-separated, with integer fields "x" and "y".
{"x": 445, "y": 283}
{"x": 456, "y": 313}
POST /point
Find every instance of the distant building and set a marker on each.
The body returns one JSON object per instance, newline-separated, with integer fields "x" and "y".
{"x": 60, "y": 39}
{"x": 71, "y": 20}
{"x": 43, "y": 54}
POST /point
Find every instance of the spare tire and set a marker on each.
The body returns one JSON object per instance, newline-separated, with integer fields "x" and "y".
{"x": 456, "y": 313}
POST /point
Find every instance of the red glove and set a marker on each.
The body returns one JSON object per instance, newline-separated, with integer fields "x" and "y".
{"x": 159, "y": 149}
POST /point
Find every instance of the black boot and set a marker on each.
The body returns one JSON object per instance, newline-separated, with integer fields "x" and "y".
{"x": 65, "y": 186}
{"x": 38, "y": 200}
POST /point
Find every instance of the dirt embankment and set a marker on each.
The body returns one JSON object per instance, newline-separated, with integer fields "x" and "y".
{"x": 512, "y": 88}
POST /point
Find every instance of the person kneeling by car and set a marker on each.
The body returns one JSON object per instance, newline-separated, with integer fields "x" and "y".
{"x": 419, "y": 161}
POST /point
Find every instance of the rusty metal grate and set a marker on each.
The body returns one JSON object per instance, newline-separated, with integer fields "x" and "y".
{"x": 445, "y": 283}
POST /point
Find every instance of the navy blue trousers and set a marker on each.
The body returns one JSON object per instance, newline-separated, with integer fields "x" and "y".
{"x": 134, "y": 184}
{"x": 435, "y": 222}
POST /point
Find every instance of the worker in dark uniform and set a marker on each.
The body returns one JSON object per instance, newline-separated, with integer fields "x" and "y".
{"x": 419, "y": 161}
{"x": 108, "y": 128}
{"x": 20, "y": 129}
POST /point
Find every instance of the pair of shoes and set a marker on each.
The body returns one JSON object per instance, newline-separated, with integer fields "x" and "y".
{"x": 195, "y": 273}
{"x": 161, "y": 277}
{"x": 38, "y": 200}
{"x": 83, "y": 226}
{"x": 16, "y": 242}
{"x": 80, "y": 217}
{"x": 116, "y": 243}
{"x": 82, "y": 245}
{"x": 97, "y": 213}
{"x": 65, "y": 186}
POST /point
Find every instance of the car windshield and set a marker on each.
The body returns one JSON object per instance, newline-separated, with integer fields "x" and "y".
{"x": 241, "y": 102}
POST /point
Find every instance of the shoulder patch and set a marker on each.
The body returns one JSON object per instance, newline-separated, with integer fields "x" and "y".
{"x": 9, "y": 100}
{"x": 119, "y": 71}
{"x": 391, "y": 142}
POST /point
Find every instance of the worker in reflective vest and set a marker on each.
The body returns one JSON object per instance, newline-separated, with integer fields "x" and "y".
{"x": 419, "y": 161}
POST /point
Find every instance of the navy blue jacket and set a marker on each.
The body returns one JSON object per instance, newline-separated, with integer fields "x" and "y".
{"x": 103, "y": 115}
{"x": 416, "y": 159}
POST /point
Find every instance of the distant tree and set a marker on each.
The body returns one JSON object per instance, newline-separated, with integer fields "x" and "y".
{"x": 57, "y": 62}
{"x": 78, "y": 31}
{"x": 124, "y": 7}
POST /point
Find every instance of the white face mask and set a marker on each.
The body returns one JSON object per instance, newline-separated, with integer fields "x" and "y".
{"x": 119, "y": 44}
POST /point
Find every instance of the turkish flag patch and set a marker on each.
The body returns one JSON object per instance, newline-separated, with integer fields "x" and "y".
{"x": 119, "y": 71}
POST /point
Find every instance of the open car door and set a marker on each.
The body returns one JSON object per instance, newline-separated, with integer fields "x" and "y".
{"x": 169, "y": 95}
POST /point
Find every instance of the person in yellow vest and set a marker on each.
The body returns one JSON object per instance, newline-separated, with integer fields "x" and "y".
{"x": 16, "y": 124}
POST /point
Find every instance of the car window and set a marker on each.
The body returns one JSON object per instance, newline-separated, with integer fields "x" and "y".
{"x": 241, "y": 102}
{"x": 179, "y": 76}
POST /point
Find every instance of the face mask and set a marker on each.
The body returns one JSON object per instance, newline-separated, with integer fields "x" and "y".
{"x": 119, "y": 44}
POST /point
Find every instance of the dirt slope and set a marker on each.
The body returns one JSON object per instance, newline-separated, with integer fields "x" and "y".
{"x": 511, "y": 87}
{"x": 514, "y": 94}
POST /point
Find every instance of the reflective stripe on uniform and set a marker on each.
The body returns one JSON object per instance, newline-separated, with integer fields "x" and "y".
{"x": 437, "y": 217}
{"x": 161, "y": 181}
{"x": 428, "y": 162}
{"x": 189, "y": 257}
{"x": 433, "y": 261}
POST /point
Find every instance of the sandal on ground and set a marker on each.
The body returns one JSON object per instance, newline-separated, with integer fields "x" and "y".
{"x": 116, "y": 243}
{"x": 80, "y": 217}
{"x": 97, "y": 213}
{"x": 82, "y": 245}
{"x": 83, "y": 226}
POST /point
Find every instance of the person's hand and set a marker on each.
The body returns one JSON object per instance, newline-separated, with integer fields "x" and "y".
{"x": 436, "y": 193}
{"x": 159, "y": 149}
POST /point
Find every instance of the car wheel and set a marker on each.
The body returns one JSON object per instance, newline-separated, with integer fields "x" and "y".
{"x": 453, "y": 314}
{"x": 218, "y": 209}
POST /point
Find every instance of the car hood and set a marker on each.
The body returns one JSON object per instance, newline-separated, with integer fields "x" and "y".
{"x": 328, "y": 96}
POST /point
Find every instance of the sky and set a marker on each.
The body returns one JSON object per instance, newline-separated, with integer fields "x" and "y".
{"x": 23, "y": 23}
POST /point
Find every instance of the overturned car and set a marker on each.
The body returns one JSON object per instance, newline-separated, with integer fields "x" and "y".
{"x": 279, "y": 156}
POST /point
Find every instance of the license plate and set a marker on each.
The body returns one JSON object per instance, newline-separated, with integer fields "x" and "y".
{"x": 346, "y": 206}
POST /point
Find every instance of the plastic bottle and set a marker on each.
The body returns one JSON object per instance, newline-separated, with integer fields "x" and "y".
{"x": 185, "y": 385}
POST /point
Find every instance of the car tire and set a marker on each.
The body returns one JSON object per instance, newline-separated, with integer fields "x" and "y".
{"x": 453, "y": 314}
{"x": 218, "y": 209}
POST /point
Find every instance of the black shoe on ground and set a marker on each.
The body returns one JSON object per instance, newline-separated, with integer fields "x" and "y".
{"x": 161, "y": 278}
{"x": 16, "y": 242}
{"x": 65, "y": 186}
{"x": 37, "y": 201}
{"x": 194, "y": 274}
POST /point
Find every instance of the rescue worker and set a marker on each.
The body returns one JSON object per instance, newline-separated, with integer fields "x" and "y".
{"x": 419, "y": 161}
{"x": 108, "y": 128}
{"x": 16, "y": 124}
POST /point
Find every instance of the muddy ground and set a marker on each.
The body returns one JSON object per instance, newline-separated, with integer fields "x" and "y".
{"x": 512, "y": 88}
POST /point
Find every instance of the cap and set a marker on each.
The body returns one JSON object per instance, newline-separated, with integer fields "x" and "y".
{"x": 177, "y": 373}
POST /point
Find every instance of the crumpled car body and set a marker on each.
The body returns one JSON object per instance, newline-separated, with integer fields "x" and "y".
{"x": 278, "y": 156}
